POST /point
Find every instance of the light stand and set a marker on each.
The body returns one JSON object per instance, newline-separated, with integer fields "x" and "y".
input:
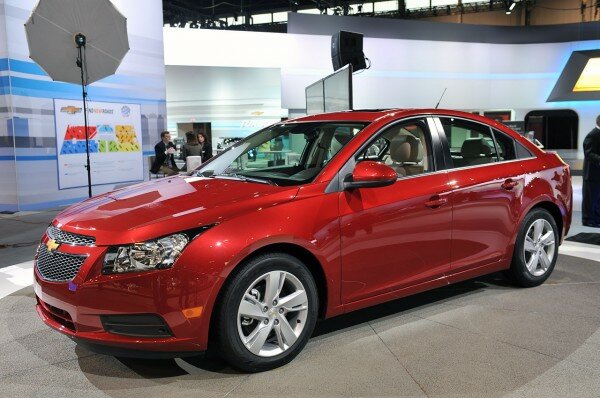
{"x": 80, "y": 42}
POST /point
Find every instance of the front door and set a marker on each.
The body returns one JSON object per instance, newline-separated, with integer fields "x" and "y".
{"x": 400, "y": 235}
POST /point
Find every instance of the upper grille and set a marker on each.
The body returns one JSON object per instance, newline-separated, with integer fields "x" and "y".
{"x": 58, "y": 267}
{"x": 69, "y": 238}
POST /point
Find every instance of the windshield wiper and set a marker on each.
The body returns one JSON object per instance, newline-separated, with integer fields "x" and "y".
{"x": 233, "y": 176}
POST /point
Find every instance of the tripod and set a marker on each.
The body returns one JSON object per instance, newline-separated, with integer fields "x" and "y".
{"x": 80, "y": 41}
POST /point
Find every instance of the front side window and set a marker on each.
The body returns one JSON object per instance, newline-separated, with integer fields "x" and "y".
{"x": 471, "y": 144}
{"x": 285, "y": 154}
{"x": 405, "y": 147}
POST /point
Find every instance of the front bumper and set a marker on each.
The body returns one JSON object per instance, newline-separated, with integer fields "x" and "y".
{"x": 176, "y": 296}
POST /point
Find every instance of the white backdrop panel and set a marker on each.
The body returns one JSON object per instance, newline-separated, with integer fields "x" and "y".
{"x": 404, "y": 73}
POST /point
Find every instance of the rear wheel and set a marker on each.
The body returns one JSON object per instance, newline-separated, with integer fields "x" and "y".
{"x": 536, "y": 249}
{"x": 267, "y": 314}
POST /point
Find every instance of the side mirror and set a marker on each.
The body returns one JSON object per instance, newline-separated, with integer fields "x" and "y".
{"x": 369, "y": 174}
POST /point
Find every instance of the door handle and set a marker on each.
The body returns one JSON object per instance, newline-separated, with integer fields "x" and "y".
{"x": 509, "y": 184}
{"x": 436, "y": 201}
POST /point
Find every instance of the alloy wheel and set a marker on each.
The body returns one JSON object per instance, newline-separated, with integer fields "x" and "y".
{"x": 272, "y": 313}
{"x": 539, "y": 247}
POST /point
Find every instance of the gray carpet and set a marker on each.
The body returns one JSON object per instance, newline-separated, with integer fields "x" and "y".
{"x": 20, "y": 234}
{"x": 480, "y": 338}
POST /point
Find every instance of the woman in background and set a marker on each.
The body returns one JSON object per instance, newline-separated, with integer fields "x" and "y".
{"x": 206, "y": 146}
{"x": 191, "y": 147}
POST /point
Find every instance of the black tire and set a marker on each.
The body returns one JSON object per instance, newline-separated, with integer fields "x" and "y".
{"x": 229, "y": 343}
{"x": 518, "y": 272}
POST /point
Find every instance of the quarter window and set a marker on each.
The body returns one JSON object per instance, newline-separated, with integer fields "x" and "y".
{"x": 405, "y": 147}
{"x": 506, "y": 146}
{"x": 522, "y": 152}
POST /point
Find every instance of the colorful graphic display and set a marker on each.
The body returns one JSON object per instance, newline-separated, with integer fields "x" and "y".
{"x": 74, "y": 141}
{"x": 114, "y": 132}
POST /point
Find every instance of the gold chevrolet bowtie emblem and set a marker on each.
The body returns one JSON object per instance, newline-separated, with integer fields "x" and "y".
{"x": 71, "y": 110}
{"x": 52, "y": 245}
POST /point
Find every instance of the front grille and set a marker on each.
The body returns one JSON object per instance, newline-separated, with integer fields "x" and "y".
{"x": 57, "y": 267}
{"x": 69, "y": 238}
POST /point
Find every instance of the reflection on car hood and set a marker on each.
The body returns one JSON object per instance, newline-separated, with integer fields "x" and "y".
{"x": 165, "y": 206}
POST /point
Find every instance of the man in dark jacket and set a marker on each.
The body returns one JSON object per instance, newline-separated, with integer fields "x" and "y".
{"x": 164, "y": 161}
{"x": 591, "y": 178}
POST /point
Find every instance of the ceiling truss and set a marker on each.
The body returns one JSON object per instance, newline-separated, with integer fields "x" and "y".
{"x": 215, "y": 14}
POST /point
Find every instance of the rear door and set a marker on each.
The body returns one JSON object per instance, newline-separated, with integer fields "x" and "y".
{"x": 487, "y": 186}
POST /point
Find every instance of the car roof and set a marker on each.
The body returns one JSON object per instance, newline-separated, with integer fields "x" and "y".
{"x": 372, "y": 115}
{"x": 388, "y": 115}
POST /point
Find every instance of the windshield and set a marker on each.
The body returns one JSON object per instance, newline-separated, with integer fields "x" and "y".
{"x": 284, "y": 154}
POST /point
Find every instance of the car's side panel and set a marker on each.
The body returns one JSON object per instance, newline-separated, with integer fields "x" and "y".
{"x": 392, "y": 237}
{"x": 396, "y": 294}
{"x": 486, "y": 204}
{"x": 309, "y": 222}
{"x": 547, "y": 179}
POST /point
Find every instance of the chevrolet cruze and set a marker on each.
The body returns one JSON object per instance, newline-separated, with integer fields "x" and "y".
{"x": 306, "y": 219}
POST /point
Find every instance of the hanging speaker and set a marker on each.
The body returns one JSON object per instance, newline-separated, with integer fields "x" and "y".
{"x": 347, "y": 48}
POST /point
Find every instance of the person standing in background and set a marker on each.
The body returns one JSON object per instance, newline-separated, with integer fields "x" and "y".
{"x": 206, "y": 146}
{"x": 191, "y": 147}
{"x": 591, "y": 178}
{"x": 164, "y": 160}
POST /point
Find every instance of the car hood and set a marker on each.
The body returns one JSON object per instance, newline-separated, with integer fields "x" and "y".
{"x": 161, "y": 207}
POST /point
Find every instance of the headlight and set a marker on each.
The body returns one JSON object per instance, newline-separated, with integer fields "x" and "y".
{"x": 146, "y": 256}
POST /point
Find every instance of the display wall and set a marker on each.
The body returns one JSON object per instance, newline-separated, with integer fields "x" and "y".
{"x": 8, "y": 177}
{"x": 483, "y": 68}
{"x": 28, "y": 149}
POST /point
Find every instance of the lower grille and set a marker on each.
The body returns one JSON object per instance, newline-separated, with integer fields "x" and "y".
{"x": 57, "y": 315}
{"x": 57, "y": 267}
{"x": 140, "y": 325}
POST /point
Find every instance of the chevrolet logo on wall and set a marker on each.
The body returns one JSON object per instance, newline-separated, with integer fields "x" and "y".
{"x": 52, "y": 245}
{"x": 71, "y": 110}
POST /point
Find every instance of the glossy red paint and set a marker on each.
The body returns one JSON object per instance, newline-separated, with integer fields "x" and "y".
{"x": 369, "y": 171}
{"x": 375, "y": 261}
{"x": 364, "y": 246}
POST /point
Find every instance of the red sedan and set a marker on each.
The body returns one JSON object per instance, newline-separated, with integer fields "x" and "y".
{"x": 306, "y": 219}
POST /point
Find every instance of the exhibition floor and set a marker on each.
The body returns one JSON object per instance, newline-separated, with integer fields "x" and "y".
{"x": 483, "y": 337}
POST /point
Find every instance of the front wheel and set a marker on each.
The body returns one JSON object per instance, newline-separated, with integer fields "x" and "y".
{"x": 536, "y": 249}
{"x": 267, "y": 313}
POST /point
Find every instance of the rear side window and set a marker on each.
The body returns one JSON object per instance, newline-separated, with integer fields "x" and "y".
{"x": 471, "y": 144}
